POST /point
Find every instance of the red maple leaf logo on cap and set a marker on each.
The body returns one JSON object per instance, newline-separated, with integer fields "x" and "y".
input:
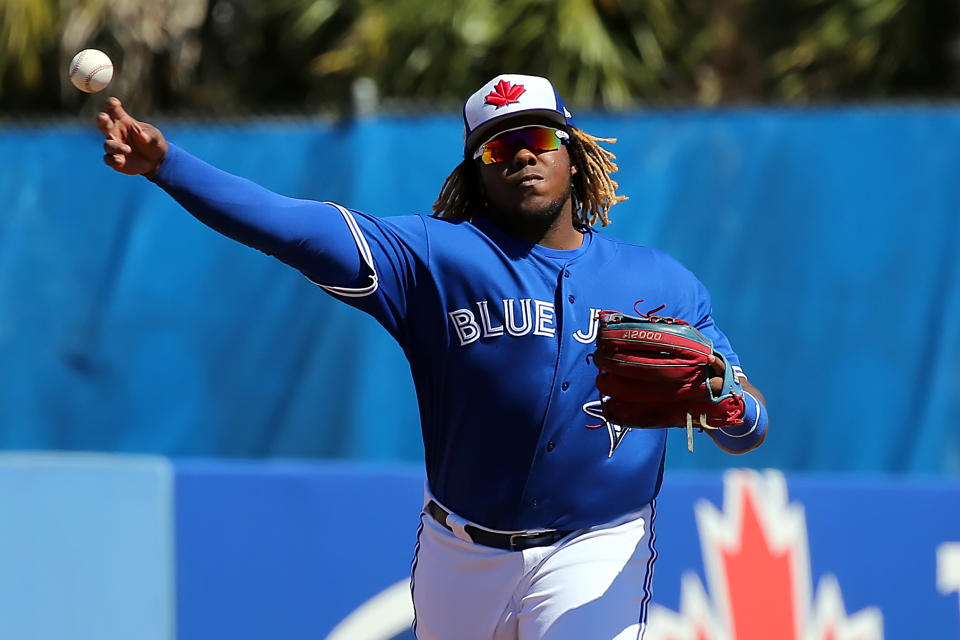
{"x": 505, "y": 93}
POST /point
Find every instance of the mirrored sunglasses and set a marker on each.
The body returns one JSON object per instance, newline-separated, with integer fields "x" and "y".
{"x": 504, "y": 145}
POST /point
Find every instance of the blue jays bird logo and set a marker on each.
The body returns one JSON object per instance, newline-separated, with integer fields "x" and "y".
{"x": 594, "y": 409}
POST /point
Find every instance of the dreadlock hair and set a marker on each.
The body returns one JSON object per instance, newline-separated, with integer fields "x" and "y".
{"x": 594, "y": 191}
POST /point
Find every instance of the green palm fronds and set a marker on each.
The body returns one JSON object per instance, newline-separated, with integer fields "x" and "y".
{"x": 27, "y": 29}
{"x": 228, "y": 55}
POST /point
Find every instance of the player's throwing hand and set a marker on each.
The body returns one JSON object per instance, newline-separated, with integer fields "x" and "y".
{"x": 132, "y": 147}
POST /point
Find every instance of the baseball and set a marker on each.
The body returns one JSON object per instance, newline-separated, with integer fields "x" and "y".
{"x": 91, "y": 70}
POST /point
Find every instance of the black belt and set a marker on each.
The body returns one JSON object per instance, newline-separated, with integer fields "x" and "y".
{"x": 505, "y": 541}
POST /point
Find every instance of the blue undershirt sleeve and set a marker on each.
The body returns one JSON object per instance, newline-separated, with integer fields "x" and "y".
{"x": 707, "y": 326}
{"x": 307, "y": 235}
{"x": 371, "y": 264}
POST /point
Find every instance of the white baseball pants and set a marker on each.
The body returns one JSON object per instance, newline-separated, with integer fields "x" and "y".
{"x": 593, "y": 585}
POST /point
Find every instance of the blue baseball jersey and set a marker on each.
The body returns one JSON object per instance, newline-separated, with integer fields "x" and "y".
{"x": 497, "y": 333}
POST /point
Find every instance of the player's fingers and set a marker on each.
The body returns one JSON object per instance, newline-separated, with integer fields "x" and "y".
{"x": 106, "y": 125}
{"x": 716, "y": 363}
{"x": 118, "y": 114}
{"x": 115, "y": 109}
{"x": 718, "y": 367}
{"x": 716, "y": 385}
{"x": 115, "y": 160}
{"x": 143, "y": 134}
{"x": 116, "y": 147}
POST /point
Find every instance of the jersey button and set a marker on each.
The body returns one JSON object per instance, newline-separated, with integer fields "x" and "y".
{"x": 566, "y": 273}
{"x": 565, "y": 386}
{"x": 551, "y": 446}
{"x": 571, "y": 297}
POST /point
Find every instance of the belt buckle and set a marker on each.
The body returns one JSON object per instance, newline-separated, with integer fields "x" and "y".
{"x": 525, "y": 536}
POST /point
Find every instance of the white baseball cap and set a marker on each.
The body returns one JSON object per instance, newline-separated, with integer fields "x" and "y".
{"x": 508, "y": 95}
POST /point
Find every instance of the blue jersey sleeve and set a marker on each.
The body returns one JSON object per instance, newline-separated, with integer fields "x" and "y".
{"x": 359, "y": 259}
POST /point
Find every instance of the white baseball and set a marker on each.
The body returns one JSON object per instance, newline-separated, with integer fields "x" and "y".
{"x": 91, "y": 70}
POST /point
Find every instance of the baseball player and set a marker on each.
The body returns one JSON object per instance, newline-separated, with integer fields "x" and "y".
{"x": 536, "y": 523}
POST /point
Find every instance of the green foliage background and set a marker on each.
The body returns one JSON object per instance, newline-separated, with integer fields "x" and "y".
{"x": 226, "y": 57}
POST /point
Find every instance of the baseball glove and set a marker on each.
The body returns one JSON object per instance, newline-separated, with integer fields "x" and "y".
{"x": 654, "y": 372}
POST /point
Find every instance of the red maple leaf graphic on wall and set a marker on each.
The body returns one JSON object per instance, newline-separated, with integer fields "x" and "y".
{"x": 757, "y": 565}
{"x": 505, "y": 93}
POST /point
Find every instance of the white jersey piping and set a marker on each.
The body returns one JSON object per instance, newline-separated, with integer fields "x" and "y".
{"x": 365, "y": 254}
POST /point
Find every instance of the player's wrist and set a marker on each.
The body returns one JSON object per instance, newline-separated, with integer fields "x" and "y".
{"x": 160, "y": 169}
{"x": 152, "y": 173}
{"x": 743, "y": 437}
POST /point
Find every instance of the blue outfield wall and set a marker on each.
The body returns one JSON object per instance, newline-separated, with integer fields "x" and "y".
{"x": 118, "y": 547}
{"x": 828, "y": 238}
{"x": 87, "y": 550}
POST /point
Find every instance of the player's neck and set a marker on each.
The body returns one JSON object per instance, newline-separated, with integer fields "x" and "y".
{"x": 554, "y": 232}
{"x": 563, "y": 235}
